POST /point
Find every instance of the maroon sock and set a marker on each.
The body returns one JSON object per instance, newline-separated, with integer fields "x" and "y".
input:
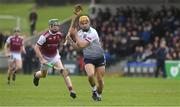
{"x": 70, "y": 88}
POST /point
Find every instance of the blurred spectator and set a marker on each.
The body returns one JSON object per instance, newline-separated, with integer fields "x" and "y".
{"x": 146, "y": 34}
{"x": 161, "y": 57}
{"x": 1, "y": 39}
{"x": 33, "y": 16}
{"x": 29, "y": 59}
{"x": 80, "y": 60}
{"x": 138, "y": 55}
{"x": 71, "y": 55}
{"x": 178, "y": 56}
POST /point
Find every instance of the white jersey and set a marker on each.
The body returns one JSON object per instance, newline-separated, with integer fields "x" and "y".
{"x": 94, "y": 49}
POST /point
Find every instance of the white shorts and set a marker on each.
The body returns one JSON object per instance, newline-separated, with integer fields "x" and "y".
{"x": 52, "y": 61}
{"x": 15, "y": 56}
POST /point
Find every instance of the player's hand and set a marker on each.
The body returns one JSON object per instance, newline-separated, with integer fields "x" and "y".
{"x": 73, "y": 33}
{"x": 43, "y": 61}
{"x": 69, "y": 40}
{"x": 7, "y": 54}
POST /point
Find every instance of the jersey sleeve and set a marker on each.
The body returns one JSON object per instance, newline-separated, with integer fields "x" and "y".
{"x": 8, "y": 40}
{"x": 91, "y": 37}
{"x": 41, "y": 40}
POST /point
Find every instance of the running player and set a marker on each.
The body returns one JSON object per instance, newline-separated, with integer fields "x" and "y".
{"x": 14, "y": 46}
{"x": 87, "y": 39}
{"x": 47, "y": 52}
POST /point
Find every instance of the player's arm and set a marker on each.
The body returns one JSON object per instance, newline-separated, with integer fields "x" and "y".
{"x": 23, "y": 49}
{"x": 37, "y": 47}
{"x": 72, "y": 43}
{"x": 6, "y": 47}
{"x": 79, "y": 42}
{"x": 38, "y": 52}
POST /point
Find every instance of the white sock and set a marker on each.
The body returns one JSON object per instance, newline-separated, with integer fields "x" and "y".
{"x": 94, "y": 88}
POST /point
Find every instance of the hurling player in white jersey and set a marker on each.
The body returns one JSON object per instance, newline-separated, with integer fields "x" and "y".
{"x": 46, "y": 49}
{"x": 87, "y": 39}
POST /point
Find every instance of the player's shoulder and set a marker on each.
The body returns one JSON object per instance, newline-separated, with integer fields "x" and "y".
{"x": 59, "y": 33}
{"x": 21, "y": 37}
{"x": 11, "y": 37}
{"x": 93, "y": 31}
{"x": 45, "y": 34}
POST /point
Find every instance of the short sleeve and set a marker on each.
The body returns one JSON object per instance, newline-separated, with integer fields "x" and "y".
{"x": 41, "y": 40}
{"x": 91, "y": 37}
{"x": 8, "y": 40}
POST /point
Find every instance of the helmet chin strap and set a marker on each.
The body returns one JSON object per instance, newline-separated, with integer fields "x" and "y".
{"x": 53, "y": 31}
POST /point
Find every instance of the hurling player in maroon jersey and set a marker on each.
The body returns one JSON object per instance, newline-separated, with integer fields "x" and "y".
{"x": 14, "y": 46}
{"x": 46, "y": 49}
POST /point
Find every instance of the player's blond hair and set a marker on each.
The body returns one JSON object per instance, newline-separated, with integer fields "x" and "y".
{"x": 84, "y": 19}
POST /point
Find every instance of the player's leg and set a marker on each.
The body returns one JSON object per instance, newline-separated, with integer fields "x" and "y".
{"x": 157, "y": 70}
{"x": 99, "y": 74}
{"x": 89, "y": 68}
{"x": 164, "y": 70}
{"x": 16, "y": 57}
{"x": 66, "y": 77}
{"x": 40, "y": 74}
{"x": 17, "y": 66}
{"x": 10, "y": 71}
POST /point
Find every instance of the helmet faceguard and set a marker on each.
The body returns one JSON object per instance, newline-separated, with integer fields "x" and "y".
{"x": 54, "y": 25}
{"x": 54, "y": 22}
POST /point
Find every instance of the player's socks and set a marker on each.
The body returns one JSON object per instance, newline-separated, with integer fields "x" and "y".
{"x": 94, "y": 88}
{"x": 8, "y": 80}
{"x": 14, "y": 76}
{"x": 99, "y": 98}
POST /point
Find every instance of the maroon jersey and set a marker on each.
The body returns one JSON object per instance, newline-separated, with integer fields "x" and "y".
{"x": 15, "y": 43}
{"x": 49, "y": 43}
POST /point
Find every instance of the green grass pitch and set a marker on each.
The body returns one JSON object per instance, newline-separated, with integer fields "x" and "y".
{"x": 119, "y": 91}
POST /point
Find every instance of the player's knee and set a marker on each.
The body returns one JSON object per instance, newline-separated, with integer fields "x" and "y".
{"x": 90, "y": 74}
{"x": 18, "y": 68}
{"x": 43, "y": 74}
